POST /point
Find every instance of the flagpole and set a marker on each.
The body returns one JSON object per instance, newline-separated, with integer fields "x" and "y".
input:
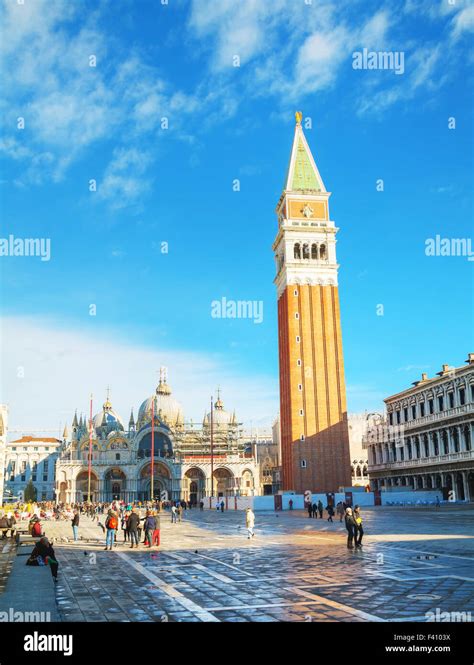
{"x": 90, "y": 455}
{"x": 212, "y": 447}
{"x": 152, "y": 446}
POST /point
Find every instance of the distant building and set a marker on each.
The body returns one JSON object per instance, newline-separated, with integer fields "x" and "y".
{"x": 358, "y": 425}
{"x": 32, "y": 458}
{"x": 266, "y": 451}
{"x": 425, "y": 440}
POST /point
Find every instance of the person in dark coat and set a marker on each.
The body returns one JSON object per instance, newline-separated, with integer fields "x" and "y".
{"x": 330, "y": 510}
{"x": 133, "y": 522}
{"x": 320, "y": 509}
{"x": 358, "y": 529}
{"x": 310, "y": 509}
{"x": 43, "y": 555}
{"x": 150, "y": 524}
{"x": 350, "y": 526}
{"x": 4, "y": 526}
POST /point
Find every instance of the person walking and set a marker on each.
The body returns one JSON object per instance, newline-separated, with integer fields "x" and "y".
{"x": 75, "y": 525}
{"x": 309, "y": 508}
{"x": 150, "y": 525}
{"x": 179, "y": 511}
{"x": 320, "y": 509}
{"x": 350, "y": 526}
{"x": 330, "y": 510}
{"x": 250, "y": 522}
{"x": 340, "y": 511}
{"x": 290, "y": 504}
{"x": 133, "y": 522}
{"x": 201, "y": 505}
{"x": 174, "y": 515}
{"x": 111, "y": 525}
{"x": 314, "y": 511}
{"x": 358, "y": 529}
{"x": 222, "y": 506}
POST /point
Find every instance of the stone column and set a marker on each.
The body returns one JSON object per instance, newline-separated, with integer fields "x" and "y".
{"x": 450, "y": 441}
{"x": 465, "y": 485}
{"x": 430, "y": 444}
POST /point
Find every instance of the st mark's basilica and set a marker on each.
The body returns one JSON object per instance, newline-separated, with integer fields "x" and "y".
{"x": 121, "y": 456}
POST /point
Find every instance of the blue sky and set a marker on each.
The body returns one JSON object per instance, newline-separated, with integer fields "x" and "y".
{"x": 174, "y": 185}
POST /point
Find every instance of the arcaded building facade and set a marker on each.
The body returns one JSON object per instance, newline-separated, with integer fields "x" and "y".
{"x": 426, "y": 439}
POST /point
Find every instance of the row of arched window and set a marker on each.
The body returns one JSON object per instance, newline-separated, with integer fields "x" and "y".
{"x": 310, "y": 251}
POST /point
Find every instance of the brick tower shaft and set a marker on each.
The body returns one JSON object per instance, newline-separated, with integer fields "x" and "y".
{"x": 313, "y": 411}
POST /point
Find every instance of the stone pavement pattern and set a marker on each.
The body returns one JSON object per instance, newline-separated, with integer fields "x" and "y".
{"x": 295, "y": 569}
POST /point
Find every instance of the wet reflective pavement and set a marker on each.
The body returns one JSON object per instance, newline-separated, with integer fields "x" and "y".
{"x": 414, "y": 562}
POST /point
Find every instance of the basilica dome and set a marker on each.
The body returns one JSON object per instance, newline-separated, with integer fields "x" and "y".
{"x": 167, "y": 408}
{"x": 108, "y": 418}
{"x": 220, "y": 416}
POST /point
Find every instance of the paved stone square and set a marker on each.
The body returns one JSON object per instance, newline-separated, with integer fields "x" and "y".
{"x": 294, "y": 569}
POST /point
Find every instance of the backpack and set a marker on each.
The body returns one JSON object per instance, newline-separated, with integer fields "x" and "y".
{"x": 112, "y": 523}
{"x": 36, "y": 530}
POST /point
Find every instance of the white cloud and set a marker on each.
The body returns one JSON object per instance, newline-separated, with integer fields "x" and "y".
{"x": 124, "y": 181}
{"x": 68, "y": 105}
{"x": 422, "y": 71}
{"x": 463, "y": 22}
{"x": 318, "y": 60}
{"x": 244, "y": 28}
{"x": 63, "y": 366}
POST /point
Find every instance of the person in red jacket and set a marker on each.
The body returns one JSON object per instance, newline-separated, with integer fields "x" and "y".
{"x": 111, "y": 524}
{"x": 156, "y": 532}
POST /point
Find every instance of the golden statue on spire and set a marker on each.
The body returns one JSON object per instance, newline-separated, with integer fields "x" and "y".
{"x": 299, "y": 117}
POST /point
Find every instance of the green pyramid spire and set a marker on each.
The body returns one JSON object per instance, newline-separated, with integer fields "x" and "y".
{"x": 304, "y": 175}
{"x": 302, "y": 171}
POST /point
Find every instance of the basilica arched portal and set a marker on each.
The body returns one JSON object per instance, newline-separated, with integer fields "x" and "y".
{"x": 161, "y": 482}
{"x": 82, "y": 486}
{"x": 115, "y": 484}
{"x": 194, "y": 486}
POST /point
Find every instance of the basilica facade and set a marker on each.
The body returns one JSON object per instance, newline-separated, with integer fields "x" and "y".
{"x": 121, "y": 462}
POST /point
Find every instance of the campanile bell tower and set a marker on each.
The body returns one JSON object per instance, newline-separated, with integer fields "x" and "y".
{"x": 313, "y": 411}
